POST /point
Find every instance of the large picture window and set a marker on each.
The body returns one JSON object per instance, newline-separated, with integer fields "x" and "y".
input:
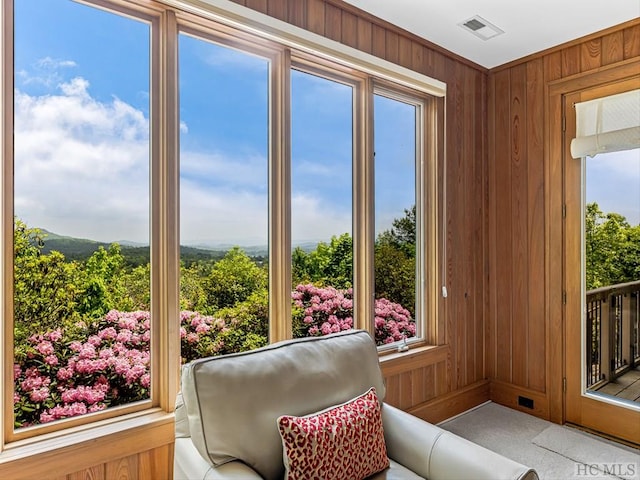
{"x": 224, "y": 152}
{"x": 321, "y": 204}
{"x": 81, "y": 290}
{"x": 177, "y": 186}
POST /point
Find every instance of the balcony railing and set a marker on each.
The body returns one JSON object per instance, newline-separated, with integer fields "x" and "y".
{"x": 613, "y": 332}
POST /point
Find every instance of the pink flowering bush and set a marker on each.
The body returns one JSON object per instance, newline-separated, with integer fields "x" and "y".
{"x": 323, "y": 310}
{"x": 393, "y": 322}
{"x": 63, "y": 374}
{"x": 199, "y": 336}
{"x": 87, "y": 368}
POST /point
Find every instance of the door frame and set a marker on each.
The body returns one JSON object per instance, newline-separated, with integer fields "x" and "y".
{"x": 578, "y": 408}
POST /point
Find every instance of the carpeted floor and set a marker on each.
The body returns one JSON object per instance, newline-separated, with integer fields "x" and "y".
{"x": 556, "y": 452}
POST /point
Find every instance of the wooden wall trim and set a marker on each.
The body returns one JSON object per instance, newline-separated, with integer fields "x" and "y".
{"x": 586, "y": 80}
{"x": 453, "y": 403}
{"x": 398, "y": 363}
{"x": 578, "y": 42}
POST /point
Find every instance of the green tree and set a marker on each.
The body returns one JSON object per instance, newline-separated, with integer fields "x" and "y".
{"x": 402, "y": 234}
{"x": 630, "y": 255}
{"x": 233, "y": 279}
{"x": 137, "y": 285}
{"x": 248, "y": 323}
{"x": 609, "y": 248}
{"x": 193, "y": 296}
{"x": 395, "y": 262}
{"x": 329, "y": 264}
{"x": 104, "y": 283}
{"x": 46, "y": 287}
{"x": 395, "y": 275}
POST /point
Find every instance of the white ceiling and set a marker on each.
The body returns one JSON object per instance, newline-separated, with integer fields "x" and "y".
{"x": 529, "y": 26}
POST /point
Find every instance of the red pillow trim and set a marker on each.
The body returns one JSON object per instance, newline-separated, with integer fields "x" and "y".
{"x": 345, "y": 442}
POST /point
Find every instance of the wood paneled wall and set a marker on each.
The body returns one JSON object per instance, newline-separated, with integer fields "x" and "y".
{"x": 459, "y": 365}
{"x": 151, "y": 464}
{"x": 524, "y": 319}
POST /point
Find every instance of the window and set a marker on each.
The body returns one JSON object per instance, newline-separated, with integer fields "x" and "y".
{"x": 396, "y": 152}
{"x": 224, "y": 153}
{"x": 197, "y": 183}
{"x": 81, "y": 289}
{"x": 321, "y": 204}
{"x": 611, "y": 267}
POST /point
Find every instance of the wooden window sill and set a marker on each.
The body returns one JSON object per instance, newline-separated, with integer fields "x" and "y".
{"x": 57, "y": 455}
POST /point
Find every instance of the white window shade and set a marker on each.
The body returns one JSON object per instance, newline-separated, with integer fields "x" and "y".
{"x": 607, "y": 124}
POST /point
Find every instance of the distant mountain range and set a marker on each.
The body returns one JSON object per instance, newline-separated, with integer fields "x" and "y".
{"x": 137, "y": 253}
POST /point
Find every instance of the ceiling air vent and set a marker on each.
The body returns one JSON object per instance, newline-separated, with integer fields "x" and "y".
{"x": 481, "y": 28}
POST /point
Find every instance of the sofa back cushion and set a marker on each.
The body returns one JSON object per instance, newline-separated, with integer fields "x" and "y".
{"x": 233, "y": 401}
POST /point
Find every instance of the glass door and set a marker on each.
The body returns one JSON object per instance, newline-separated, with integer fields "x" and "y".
{"x": 602, "y": 279}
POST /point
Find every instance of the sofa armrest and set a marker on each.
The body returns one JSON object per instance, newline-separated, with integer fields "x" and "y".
{"x": 188, "y": 464}
{"x": 437, "y": 454}
{"x": 409, "y": 440}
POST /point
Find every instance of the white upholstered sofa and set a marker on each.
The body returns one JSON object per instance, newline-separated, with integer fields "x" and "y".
{"x": 226, "y": 414}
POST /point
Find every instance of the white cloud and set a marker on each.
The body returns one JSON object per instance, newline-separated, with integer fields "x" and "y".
{"x": 222, "y": 215}
{"x": 314, "y": 220}
{"x": 45, "y": 71}
{"x": 242, "y": 171}
{"x": 81, "y": 166}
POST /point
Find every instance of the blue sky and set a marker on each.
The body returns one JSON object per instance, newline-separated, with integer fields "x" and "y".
{"x": 613, "y": 180}
{"x": 82, "y": 156}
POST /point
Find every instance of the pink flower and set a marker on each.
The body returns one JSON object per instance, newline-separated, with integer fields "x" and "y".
{"x": 55, "y": 336}
{"x": 192, "y": 337}
{"x": 64, "y": 374}
{"x": 51, "y": 360}
{"x": 124, "y": 336}
{"x": 87, "y": 351}
{"x": 45, "y": 348}
{"x": 39, "y": 395}
{"x": 108, "y": 333}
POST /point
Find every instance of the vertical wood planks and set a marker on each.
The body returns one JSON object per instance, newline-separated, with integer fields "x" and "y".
{"x": 349, "y": 29}
{"x": 524, "y": 334}
{"x": 519, "y": 225}
{"x": 315, "y": 16}
{"x": 123, "y": 469}
{"x": 612, "y": 48}
{"x": 364, "y": 36}
{"x": 535, "y": 221}
{"x": 591, "y": 54}
{"x": 332, "y": 22}
{"x": 503, "y": 274}
{"x": 631, "y": 42}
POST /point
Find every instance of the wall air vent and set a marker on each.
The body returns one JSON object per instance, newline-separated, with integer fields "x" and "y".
{"x": 481, "y": 28}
